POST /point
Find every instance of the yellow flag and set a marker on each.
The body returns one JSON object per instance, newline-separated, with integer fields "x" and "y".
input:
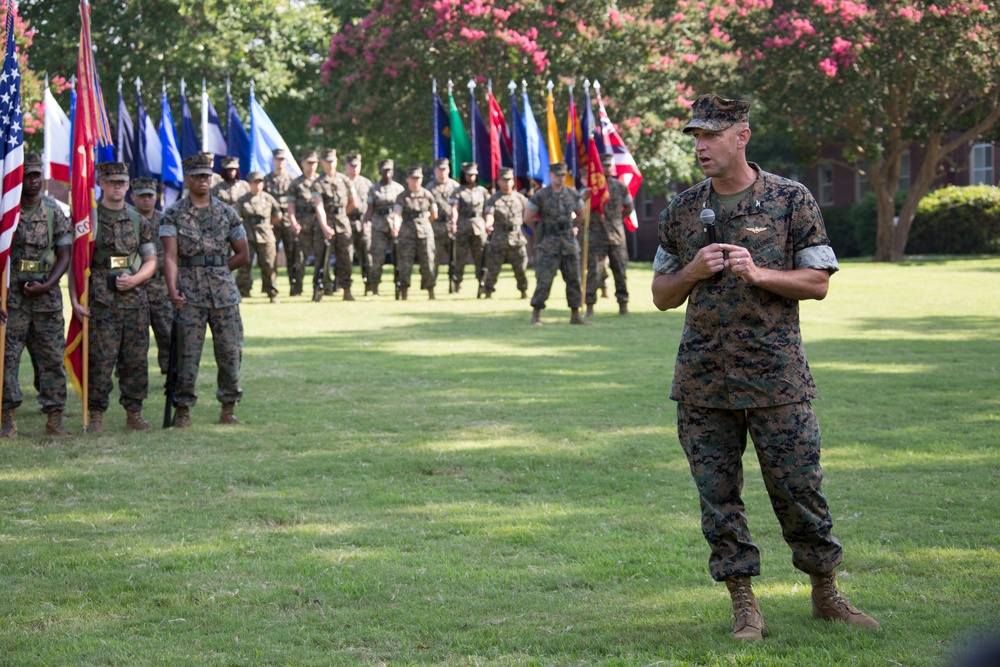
{"x": 552, "y": 141}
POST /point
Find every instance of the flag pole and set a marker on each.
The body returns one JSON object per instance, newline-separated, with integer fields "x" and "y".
{"x": 3, "y": 325}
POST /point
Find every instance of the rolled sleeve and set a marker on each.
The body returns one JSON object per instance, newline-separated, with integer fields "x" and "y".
{"x": 235, "y": 234}
{"x": 147, "y": 249}
{"x": 664, "y": 262}
{"x": 168, "y": 231}
{"x": 817, "y": 257}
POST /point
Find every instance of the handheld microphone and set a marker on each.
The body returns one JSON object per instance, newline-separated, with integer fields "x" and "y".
{"x": 707, "y": 218}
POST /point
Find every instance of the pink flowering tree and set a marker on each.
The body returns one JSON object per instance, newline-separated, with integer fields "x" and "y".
{"x": 32, "y": 89}
{"x": 377, "y": 76}
{"x": 874, "y": 80}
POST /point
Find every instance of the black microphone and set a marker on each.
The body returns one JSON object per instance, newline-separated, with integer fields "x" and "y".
{"x": 707, "y": 218}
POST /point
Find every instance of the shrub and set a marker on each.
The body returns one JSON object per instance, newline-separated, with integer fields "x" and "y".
{"x": 840, "y": 228}
{"x": 865, "y": 215}
{"x": 957, "y": 221}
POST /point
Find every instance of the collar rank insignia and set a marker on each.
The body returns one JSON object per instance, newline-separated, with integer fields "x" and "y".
{"x": 756, "y": 230}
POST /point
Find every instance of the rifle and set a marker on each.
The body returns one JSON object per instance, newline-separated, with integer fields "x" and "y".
{"x": 395, "y": 264}
{"x": 173, "y": 371}
{"x": 452, "y": 277}
{"x": 483, "y": 271}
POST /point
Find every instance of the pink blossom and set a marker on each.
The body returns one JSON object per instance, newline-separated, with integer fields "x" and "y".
{"x": 684, "y": 102}
{"x": 677, "y": 18}
{"x": 472, "y": 35}
{"x": 690, "y": 58}
{"x": 828, "y": 67}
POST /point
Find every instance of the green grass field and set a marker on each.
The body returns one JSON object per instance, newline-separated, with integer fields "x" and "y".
{"x": 440, "y": 483}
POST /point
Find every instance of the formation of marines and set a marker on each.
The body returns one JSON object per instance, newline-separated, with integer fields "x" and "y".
{"x": 172, "y": 271}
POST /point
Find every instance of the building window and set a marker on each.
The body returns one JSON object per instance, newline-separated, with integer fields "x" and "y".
{"x": 647, "y": 205}
{"x": 982, "y": 164}
{"x": 904, "y": 170}
{"x": 861, "y": 184}
{"x": 826, "y": 185}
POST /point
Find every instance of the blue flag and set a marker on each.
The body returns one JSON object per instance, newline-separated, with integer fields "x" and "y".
{"x": 264, "y": 139}
{"x": 589, "y": 127}
{"x": 480, "y": 143}
{"x": 442, "y": 129}
{"x": 189, "y": 138}
{"x": 520, "y": 140}
{"x": 139, "y": 143}
{"x": 237, "y": 138}
{"x": 538, "y": 154}
{"x": 172, "y": 174}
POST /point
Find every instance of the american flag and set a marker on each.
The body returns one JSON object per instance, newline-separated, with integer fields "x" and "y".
{"x": 11, "y": 145}
{"x": 628, "y": 170}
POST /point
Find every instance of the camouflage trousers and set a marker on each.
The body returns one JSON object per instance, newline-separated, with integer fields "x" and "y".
{"x": 227, "y": 341}
{"x": 244, "y": 274}
{"x": 381, "y": 241}
{"x": 294, "y": 260}
{"x": 161, "y": 318}
{"x": 314, "y": 243}
{"x": 787, "y": 441}
{"x": 618, "y": 256}
{"x": 362, "y": 238}
{"x": 442, "y": 250}
{"x": 343, "y": 250}
{"x": 547, "y": 264}
{"x": 119, "y": 338}
{"x": 468, "y": 240}
{"x": 413, "y": 249}
{"x": 267, "y": 260}
{"x": 497, "y": 255}
{"x": 46, "y": 331}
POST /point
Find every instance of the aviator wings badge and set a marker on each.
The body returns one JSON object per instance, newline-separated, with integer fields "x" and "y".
{"x": 756, "y": 230}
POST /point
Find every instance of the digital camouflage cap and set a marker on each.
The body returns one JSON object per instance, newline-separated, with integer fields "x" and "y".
{"x": 198, "y": 164}
{"x": 144, "y": 186}
{"x": 714, "y": 113}
{"x": 32, "y": 163}
{"x": 112, "y": 171}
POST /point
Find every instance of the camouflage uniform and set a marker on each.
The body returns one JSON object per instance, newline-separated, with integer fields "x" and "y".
{"x": 204, "y": 236}
{"x": 507, "y": 243}
{"x": 336, "y": 191}
{"x": 741, "y": 367}
{"x": 161, "y": 311}
{"x": 279, "y": 186}
{"x": 382, "y": 197}
{"x": 256, "y": 212}
{"x": 607, "y": 240}
{"x": 470, "y": 232}
{"x": 119, "y": 321}
{"x": 361, "y": 237}
{"x": 555, "y": 246}
{"x": 416, "y": 236}
{"x": 231, "y": 192}
{"x": 40, "y": 319}
{"x": 304, "y": 190}
{"x": 442, "y": 236}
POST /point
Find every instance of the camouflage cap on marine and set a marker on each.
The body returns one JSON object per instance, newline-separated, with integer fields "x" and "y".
{"x": 442, "y": 162}
{"x": 198, "y": 164}
{"x": 713, "y": 113}
{"x": 112, "y": 171}
{"x": 386, "y": 164}
{"x": 255, "y": 176}
{"x": 414, "y": 172}
{"x": 470, "y": 168}
{"x": 279, "y": 154}
{"x": 310, "y": 156}
{"x": 329, "y": 155}
{"x": 558, "y": 169}
{"x": 32, "y": 163}
{"x": 505, "y": 174}
{"x": 231, "y": 163}
{"x": 144, "y": 186}
{"x": 353, "y": 158}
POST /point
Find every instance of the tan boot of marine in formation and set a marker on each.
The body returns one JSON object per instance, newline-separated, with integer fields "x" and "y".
{"x": 430, "y": 294}
{"x": 9, "y": 427}
{"x": 135, "y": 422}
{"x": 182, "y": 418}
{"x": 748, "y": 623}
{"x": 575, "y": 318}
{"x": 54, "y": 425}
{"x": 829, "y": 604}
{"x": 96, "y": 426}
{"x": 590, "y": 311}
{"x": 623, "y": 309}
{"x": 536, "y": 317}
{"x": 227, "y": 415}
{"x": 347, "y": 294}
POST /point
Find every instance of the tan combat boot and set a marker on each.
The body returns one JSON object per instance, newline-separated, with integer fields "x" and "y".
{"x": 182, "y": 417}
{"x": 430, "y": 294}
{"x": 226, "y": 416}
{"x": 9, "y": 427}
{"x": 96, "y": 426}
{"x": 536, "y": 317}
{"x": 135, "y": 422}
{"x": 590, "y": 311}
{"x": 748, "y": 624}
{"x": 828, "y": 604}
{"x": 524, "y": 294}
{"x": 575, "y": 318}
{"x": 54, "y": 425}
{"x": 403, "y": 292}
{"x": 347, "y": 294}
{"x": 623, "y": 309}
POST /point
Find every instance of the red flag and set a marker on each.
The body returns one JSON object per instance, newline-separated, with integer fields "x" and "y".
{"x": 598, "y": 185}
{"x": 500, "y": 140}
{"x": 12, "y": 148}
{"x": 628, "y": 170}
{"x": 86, "y": 123}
